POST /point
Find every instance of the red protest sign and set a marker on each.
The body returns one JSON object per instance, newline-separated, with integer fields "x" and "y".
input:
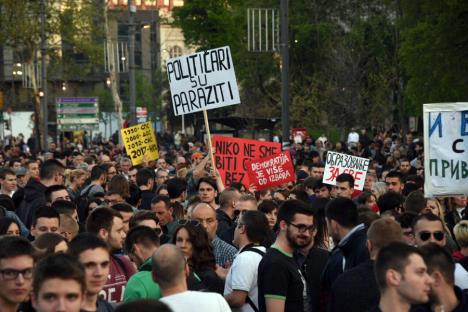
{"x": 272, "y": 171}
{"x": 231, "y": 156}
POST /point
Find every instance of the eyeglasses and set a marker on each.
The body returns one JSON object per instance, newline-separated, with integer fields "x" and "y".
{"x": 189, "y": 222}
{"x": 12, "y": 274}
{"x": 426, "y": 235}
{"x": 302, "y": 228}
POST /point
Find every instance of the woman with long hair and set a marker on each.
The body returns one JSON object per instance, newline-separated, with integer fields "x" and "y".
{"x": 193, "y": 241}
{"x": 9, "y": 226}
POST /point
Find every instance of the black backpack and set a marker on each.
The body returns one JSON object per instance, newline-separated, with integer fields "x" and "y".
{"x": 82, "y": 202}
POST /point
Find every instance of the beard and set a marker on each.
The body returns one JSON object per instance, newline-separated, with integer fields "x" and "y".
{"x": 298, "y": 241}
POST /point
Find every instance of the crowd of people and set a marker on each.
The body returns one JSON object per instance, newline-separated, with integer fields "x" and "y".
{"x": 83, "y": 229}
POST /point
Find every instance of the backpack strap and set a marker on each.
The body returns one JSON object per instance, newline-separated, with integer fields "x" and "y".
{"x": 251, "y": 247}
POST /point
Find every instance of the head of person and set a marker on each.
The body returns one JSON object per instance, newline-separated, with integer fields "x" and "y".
{"x": 400, "y": 269}
{"x": 145, "y": 177}
{"x": 145, "y": 305}
{"x": 162, "y": 175}
{"x": 367, "y": 199}
{"x": 16, "y": 267}
{"x": 169, "y": 268}
{"x": 98, "y": 175}
{"x": 207, "y": 189}
{"x": 108, "y": 225}
{"x": 344, "y": 185}
{"x": 252, "y": 228}
{"x": 162, "y": 190}
{"x": 65, "y": 207}
{"x": 162, "y": 163}
{"x": 56, "y": 192}
{"x": 415, "y": 202}
{"x": 8, "y": 180}
{"x": 369, "y": 181}
{"x": 280, "y": 195}
{"x": 125, "y": 165}
{"x": 321, "y": 190}
{"x": 52, "y": 172}
{"x": 391, "y": 201}
{"x": 32, "y": 167}
{"x": 141, "y": 243}
{"x": 161, "y": 206}
{"x": 341, "y": 215}
{"x": 113, "y": 197}
{"x": 206, "y": 215}
{"x": 296, "y": 223}
{"x": 45, "y": 220}
{"x": 270, "y": 209}
{"x": 126, "y": 211}
{"x": 228, "y": 198}
{"x": 194, "y": 243}
{"x": 93, "y": 253}
{"x": 9, "y": 226}
{"x": 405, "y": 166}
{"x": 69, "y": 227}
{"x": 59, "y": 284}
{"x": 132, "y": 173}
{"x": 78, "y": 177}
{"x": 433, "y": 206}
{"x": 177, "y": 188}
{"x": 119, "y": 185}
{"x": 406, "y": 221}
{"x": 246, "y": 202}
{"x": 429, "y": 228}
{"x": 394, "y": 180}
{"x": 316, "y": 171}
{"x": 146, "y": 218}
{"x": 382, "y": 232}
{"x": 49, "y": 243}
{"x": 441, "y": 268}
{"x": 460, "y": 230}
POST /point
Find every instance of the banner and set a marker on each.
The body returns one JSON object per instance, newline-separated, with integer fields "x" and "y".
{"x": 445, "y": 149}
{"x": 202, "y": 81}
{"x": 140, "y": 141}
{"x": 232, "y": 154}
{"x": 271, "y": 171}
{"x": 337, "y": 163}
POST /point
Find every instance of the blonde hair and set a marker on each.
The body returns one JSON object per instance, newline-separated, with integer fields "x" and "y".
{"x": 461, "y": 233}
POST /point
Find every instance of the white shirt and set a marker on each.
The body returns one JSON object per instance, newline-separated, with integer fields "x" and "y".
{"x": 243, "y": 276}
{"x": 353, "y": 137}
{"x": 188, "y": 301}
{"x": 461, "y": 276}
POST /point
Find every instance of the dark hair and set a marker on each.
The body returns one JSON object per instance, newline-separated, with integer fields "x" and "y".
{"x": 97, "y": 172}
{"x": 345, "y": 177}
{"x": 140, "y": 216}
{"x": 267, "y": 206}
{"x": 119, "y": 185}
{"x": 390, "y": 201}
{"x": 415, "y": 202}
{"x": 437, "y": 258}
{"x": 5, "y": 223}
{"x": 394, "y": 256}
{"x": 202, "y": 250}
{"x": 47, "y": 242}
{"x": 257, "y": 227}
{"x": 429, "y": 216}
{"x": 85, "y": 241}
{"x": 162, "y": 198}
{"x": 62, "y": 266}
{"x": 144, "y": 175}
{"x": 289, "y": 208}
{"x": 208, "y": 180}
{"x": 50, "y": 168}
{"x": 395, "y": 174}
{"x": 51, "y": 189}
{"x": 160, "y": 188}
{"x": 319, "y": 184}
{"x": 319, "y": 205}
{"x": 64, "y": 207}
{"x": 309, "y": 182}
{"x": 406, "y": 219}
{"x": 146, "y": 305}
{"x": 226, "y": 197}
{"x": 6, "y": 171}
{"x": 143, "y": 235}
{"x": 237, "y": 185}
{"x": 101, "y": 218}
{"x": 122, "y": 207}
{"x": 366, "y": 215}
{"x": 45, "y": 212}
{"x": 175, "y": 187}
{"x": 14, "y": 246}
{"x": 343, "y": 211}
{"x": 301, "y": 195}
{"x": 364, "y": 197}
{"x": 177, "y": 210}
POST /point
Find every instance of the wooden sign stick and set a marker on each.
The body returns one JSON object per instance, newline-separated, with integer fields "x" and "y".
{"x": 210, "y": 149}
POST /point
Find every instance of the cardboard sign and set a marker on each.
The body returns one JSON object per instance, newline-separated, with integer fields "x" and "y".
{"x": 445, "y": 149}
{"x": 271, "y": 171}
{"x": 338, "y": 163}
{"x": 232, "y": 154}
{"x": 140, "y": 141}
{"x": 202, "y": 81}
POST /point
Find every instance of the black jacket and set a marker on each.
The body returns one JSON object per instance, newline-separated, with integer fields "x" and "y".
{"x": 146, "y": 197}
{"x": 224, "y": 221}
{"x": 34, "y": 197}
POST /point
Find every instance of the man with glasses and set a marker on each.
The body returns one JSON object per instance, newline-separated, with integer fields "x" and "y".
{"x": 16, "y": 266}
{"x": 281, "y": 285}
{"x": 428, "y": 228}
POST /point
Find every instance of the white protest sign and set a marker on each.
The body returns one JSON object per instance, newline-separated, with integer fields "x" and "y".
{"x": 446, "y": 149}
{"x": 202, "y": 81}
{"x": 338, "y": 163}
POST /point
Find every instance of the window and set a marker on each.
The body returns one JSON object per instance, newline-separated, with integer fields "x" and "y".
{"x": 175, "y": 51}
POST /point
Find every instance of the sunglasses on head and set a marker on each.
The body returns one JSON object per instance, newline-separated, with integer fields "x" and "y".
{"x": 189, "y": 222}
{"x": 426, "y": 235}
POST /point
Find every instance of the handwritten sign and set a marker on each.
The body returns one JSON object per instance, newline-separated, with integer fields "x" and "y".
{"x": 140, "y": 141}
{"x": 202, "y": 81}
{"x": 338, "y": 163}
{"x": 271, "y": 171}
{"x": 446, "y": 149}
{"x": 232, "y": 154}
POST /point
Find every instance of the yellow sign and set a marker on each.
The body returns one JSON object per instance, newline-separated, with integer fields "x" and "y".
{"x": 140, "y": 141}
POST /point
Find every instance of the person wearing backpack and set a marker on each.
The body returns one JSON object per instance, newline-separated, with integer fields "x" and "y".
{"x": 98, "y": 179}
{"x": 251, "y": 234}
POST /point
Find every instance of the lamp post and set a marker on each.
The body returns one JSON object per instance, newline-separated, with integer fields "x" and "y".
{"x": 44, "y": 76}
{"x": 131, "y": 61}
{"x": 284, "y": 46}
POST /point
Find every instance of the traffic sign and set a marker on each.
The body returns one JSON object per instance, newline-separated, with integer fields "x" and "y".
{"x": 77, "y": 112}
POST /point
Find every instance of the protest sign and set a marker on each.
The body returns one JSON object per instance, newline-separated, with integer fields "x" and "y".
{"x": 140, "y": 141}
{"x": 231, "y": 156}
{"x": 202, "y": 81}
{"x": 337, "y": 163}
{"x": 271, "y": 171}
{"x": 446, "y": 149}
